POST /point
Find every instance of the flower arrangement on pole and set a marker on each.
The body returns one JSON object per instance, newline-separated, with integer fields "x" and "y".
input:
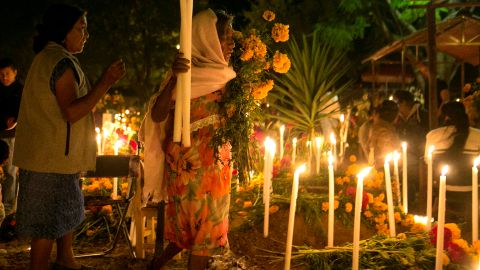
{"x": 254, "y": 61}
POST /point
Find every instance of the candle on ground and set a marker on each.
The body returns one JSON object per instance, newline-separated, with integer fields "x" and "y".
{"x": 331, "y": 200}
{"x": 357, "y": 217}
{"x": 431, "y": 148}
{"x": 441, "y": 219}
{"x": 291, "y": 216}
{"x": 267, "y": 181}
{"x": 475, "y": 199}
{"x": 294, "y": 150}
{"x": 388, "y": 186}
{"x": 404, "y": 177}
{"x": 282, "y": 131}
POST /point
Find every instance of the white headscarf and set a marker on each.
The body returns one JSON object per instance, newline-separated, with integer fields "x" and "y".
{"x": 210, "y": 71}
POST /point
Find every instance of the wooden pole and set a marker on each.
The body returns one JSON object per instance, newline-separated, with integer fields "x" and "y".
{"x": 432, "y": 67}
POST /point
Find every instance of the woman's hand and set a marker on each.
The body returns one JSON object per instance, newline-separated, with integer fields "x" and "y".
{"x": 113, "y": 73}
{"x": 180, "y": 64}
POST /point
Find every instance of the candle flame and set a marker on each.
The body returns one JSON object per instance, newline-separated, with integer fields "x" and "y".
{"x": 282, "y": 129}
{"x": 319, "y": 141}
{"x": 301, "y": 169}
{"x": 444, "y": 170}
{"x": 388, "y": 158}
{"x": 342, "y": 117}
{"x": 97, "y": 130}
{"x": 420, "y": 220}
{"x": 396, "y": 155}
{"x": 404, "y": 145}
{"x": 363, "y": 173}
{"x": 270, "y": 145}
{"x": 330, "y": 158}
{"x": 476, "y": 161}
{"x": 308, "y": 143}
{"x": 332, "y": 138}
{"x": 118, "y": 144}
{"x": 294, "y": 140}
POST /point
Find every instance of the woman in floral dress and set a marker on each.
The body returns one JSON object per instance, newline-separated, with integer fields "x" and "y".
{"x": 198, "y": 185}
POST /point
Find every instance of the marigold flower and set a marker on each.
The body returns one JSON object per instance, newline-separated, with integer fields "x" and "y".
{"x": 261, "y": 91}
{"x": 367, "y": 214}
{"x": 401, "y": 236}
{"x": 380, "y": 218}
{"x": 463, "y": 244}
{"x": 281, "y": 63}
{"x": 336, "y": 203}
{"x": 398, "y": 218}
{"x": 268, "y": 15}
{"x": 476, "y": 246}
{"x": 325, "y": 206}
{"x": 247, "y": 204}
{"x": 273, "y": 209}
{"x": 339, "y": 181}
{"x": 348, "y": 207}
{"x": 446, "y": 260}
{"x": 280, "y": 32}
{"x": 456, "y": 232}
{"x": 417, "y": 228}
{"x": 382, "y": 229}
{"x": 352, "y": 158}
{"x": 246, "y": 55}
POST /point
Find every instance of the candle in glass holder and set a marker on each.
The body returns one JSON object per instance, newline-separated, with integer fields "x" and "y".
{"x": 291, "y": 215}
{"x": 431, "y": 148}
{"x": 331, "y": 200}
{"x": 357, "y": 217}
{"x": 441, "y": 218}
{"x": 388, "y": 186}
{"x": 404, "y": 177}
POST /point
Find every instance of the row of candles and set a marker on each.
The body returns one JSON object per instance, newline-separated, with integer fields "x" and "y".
{"x": 269, "y": 155}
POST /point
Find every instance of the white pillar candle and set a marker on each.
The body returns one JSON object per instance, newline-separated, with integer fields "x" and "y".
{"x": 282, "y": 131}
{"x": 396, "y": 178}
{"x": 388, "y": 186}
{"x": 475, "y": 199}
{"x": 333, "y": 143}
{"x": 441, "y": 219}
{"x": 318, "y": 153}
{"x": 342, "y": 127}
{"x": 431, "y": 148}
{"x": 267, "y": 181}
{"x": 404, "y": 177}
{"x": 291, "y": 215}
{"x": 99, "y": 141}
{"x": 357, "y": 218}
{"x": 294, "y": 150}
{"x": 309, "y": 162}
{"x": 331, "y": 200}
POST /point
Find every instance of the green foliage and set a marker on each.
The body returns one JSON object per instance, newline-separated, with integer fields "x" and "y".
{"x": 411, "y": 15}
{"x": 305, "y": 95}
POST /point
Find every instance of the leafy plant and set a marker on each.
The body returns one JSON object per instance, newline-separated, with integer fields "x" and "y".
{"x": 307, "y": 93}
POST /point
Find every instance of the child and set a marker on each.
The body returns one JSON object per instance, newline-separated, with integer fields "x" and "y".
{"x": 4, "y": 153}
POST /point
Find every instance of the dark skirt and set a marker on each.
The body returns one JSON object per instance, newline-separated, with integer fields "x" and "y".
{"x": 49, "y": 204}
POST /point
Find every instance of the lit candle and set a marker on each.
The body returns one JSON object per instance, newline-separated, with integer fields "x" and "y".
{"x": 117, "y": 146}
{"x": 267, "y": 177}
{"x": 318, "y": 154}
{"x": 309, "y": 162}
{"x": 333, "y": 143}
{"x": 431, "y": 148}
{"x": 475, "y": 199}
{"x": 294, "y": 150}
{"x": 404, "y": 177}
{"x": 357, "y": 220}
{"x": 99, "y": 141}
{"x": 396, "y": 157}
{"x": 420, "y": 220}
{"x": 441, "y": 219}
{"x": 388, "y": 185}
{"x": 331, "y": 200}
{"x": 342, "y": 127}
{"x": 291, "y": 215}
{"x": 282, "y": 131}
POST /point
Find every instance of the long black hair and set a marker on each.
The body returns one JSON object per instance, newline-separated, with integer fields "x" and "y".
{"x": 57, "y": 21}
{"x": 454, "y": 114}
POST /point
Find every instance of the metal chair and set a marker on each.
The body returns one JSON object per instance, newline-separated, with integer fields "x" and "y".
{"x": 116, "y": 166}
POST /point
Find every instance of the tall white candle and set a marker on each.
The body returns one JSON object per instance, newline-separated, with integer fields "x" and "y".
{"x": 431, "y": 148}
{"x": 333, "y": 143}
{"x": 441, "y": 219}
{"x": 267, "y": 181}
{"x": 404, "y": 177}
{"x": 291, "y": 215}
{"x": 357, "y": 218}
{"x": 331, "y": 200}
{"x": 396, "y": 178}
{"x": 294, "y": 150}
{"x": 99, "y": 141}
{"x": 388, "y": 185}
{"x": 342, "y": 127}
{"x": 318, "y": 153}
{"x": 309, "y": 162}
{"x": 282, "y": 131}
{"x": 475, "y": 199}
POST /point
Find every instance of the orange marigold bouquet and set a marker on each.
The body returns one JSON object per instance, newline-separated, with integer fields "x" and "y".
{"x": 254, "y": 60}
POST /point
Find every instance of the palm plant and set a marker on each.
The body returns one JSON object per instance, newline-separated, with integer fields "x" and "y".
{"x": 308, "y": 92}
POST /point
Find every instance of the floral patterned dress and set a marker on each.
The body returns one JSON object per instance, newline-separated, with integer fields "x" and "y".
{"x": 198, "y": 185}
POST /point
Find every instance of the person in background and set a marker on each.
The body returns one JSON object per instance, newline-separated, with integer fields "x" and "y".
{"x": 412, "y": 126}
{"x": 10, "y": 96}
{"x": 363, "y": 133}
{"x": 55, "y": 138}
{"x": 197, "y": 184}
{"x": 383, "y": 138}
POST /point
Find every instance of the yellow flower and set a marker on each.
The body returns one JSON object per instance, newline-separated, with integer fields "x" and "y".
{"x": 380, "y": 218}
{"x": 382, "y": 229}
{"x": 408, "y": 220}
{"x": 346, "y": 179}
{"x": 352, "y": 158}
{"x": 280, "y": 32}
{"x": 339, "y": 181}
{"x": 446, "y": 260}
{"x": 398, "y": 217}
{"x": 367, "y": 214}
{"x": 370, "y": 197}
{"x": 268, "y": 15}
{"x": 463, "y": 244}
{"x": 325, "y": 206}
{"x": 246, "y": 55}
{"x": 476, "y": 246}
{"x": 261, "y": 91}
{"x": 348, "y": 207}
{"x": 281, "y": 63}
{"x": 380, "y": 197}
{"x": 353, "y": 169}
{"x": 456, "y": 232}
{"x": 253, "y": 46}
{"x": 401, "y": 236}
{"x": 417, "y": 228}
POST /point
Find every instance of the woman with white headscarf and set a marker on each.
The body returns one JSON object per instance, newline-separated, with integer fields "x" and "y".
{"x": 197, "y": 186}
